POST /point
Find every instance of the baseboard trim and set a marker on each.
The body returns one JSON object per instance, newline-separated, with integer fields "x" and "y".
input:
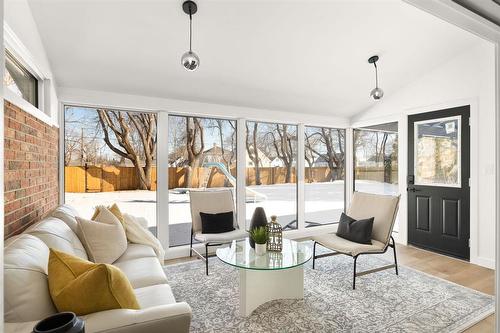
{"x": 484, "y": 262}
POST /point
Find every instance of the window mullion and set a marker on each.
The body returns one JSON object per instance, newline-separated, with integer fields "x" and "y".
{"x": 241, "y": 173}
{"x": 162, "y": 220}
{"x": 300, "y": 165}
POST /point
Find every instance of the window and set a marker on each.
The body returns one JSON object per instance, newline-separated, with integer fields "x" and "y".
{"x": 19, "y": 80}
{"x": 271, "y": 151}
{"x": 103, "y": 164}
{"x": 437, "y": 152}
{"x": 324, "y": 175}
{"x": 201, "y": 156}
{"x": 376, "y": 159}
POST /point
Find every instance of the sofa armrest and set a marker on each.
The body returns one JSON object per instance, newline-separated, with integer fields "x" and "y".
{"x": 175, "y": 318}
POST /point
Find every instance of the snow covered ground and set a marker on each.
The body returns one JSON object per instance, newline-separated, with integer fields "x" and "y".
{"x": 323, "y": 201}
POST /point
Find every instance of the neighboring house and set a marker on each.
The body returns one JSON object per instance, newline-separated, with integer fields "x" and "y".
{"x": 264, "y": 160}
{"x": 277, "y": 163}
{"x": 320, "y": 162}
{"x": 178, "y": 158}
{"x": 212, "y": 155}
{"x": 215, "y": 155}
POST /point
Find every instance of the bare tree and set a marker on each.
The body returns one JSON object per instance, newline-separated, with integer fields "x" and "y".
{"x": 177, "y": 156}
{"x": 125, "y": 127}
{"x": 379, "y": 147}
{"x": 81, "y": 142}
{"x": 310, "y": 155}
{"x": 253, "y": 151}
{"x": 283, "y": 143}
{"x": 71, "y": 147}
{"x": 195, "y": 145}
{"x": 227, "y": 155}
{"x": 333, "y": 140}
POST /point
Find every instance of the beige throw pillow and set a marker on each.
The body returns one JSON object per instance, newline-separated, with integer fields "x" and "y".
{"x": 104, "y": 239}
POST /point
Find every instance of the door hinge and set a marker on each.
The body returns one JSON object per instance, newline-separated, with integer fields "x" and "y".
{"x": 468, "y": 242}
{"x": 469, "y": 182}
{"x": 470, "y": 121}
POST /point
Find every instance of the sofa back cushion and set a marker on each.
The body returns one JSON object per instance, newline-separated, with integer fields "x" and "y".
{"x": 58, "y": 235}
{"x": 67, "y": 214}
{"x": 26, "y": 290}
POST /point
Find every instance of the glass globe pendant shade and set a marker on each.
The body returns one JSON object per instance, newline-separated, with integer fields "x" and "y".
{"x": 377, "y": 93}
{"x": 190, "y": 61}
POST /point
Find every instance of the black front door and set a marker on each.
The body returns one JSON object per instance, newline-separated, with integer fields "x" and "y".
{"x": 438, "y": 181}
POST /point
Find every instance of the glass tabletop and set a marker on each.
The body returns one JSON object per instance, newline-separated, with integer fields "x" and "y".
{"x": 240, "y": 254}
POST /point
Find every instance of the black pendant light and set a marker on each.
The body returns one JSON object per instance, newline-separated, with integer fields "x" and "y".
{"x": 376, "y": 93}
{"x": 190, "y": 60}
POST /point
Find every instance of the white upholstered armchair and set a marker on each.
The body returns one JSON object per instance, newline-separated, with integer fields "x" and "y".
{"x": 365, "y": 205}
{"x": 212, "y": 202}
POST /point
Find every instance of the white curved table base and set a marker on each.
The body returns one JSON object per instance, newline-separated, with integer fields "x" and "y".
{"x": 260, "y": 286}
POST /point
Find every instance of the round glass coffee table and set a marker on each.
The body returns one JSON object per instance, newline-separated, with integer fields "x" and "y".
{"x": 274, "y": 275}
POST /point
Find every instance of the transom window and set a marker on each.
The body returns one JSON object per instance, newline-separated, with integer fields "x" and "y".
{"x": 19, "y": 80}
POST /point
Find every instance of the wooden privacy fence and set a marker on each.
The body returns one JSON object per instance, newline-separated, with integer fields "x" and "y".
{"x": 102, "y": 179}
{"x": 375, "y": 173}
{"x": 111, "y": 178}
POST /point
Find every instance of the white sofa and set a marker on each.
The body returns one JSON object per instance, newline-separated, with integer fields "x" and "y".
{"x": 26, "y": 293}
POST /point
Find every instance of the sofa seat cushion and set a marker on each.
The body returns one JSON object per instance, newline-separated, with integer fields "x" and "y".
{"x": 159, "y": 294}
{"x": 26, "y": 291}
{"x": 338, "y": 244}
{"x": 143, "y": 272}
{"x": 223, "y": 237}
{"x": 57, "y": 235}
{"x": 136, "y": 251}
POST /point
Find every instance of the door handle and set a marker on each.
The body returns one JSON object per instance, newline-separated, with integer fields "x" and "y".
{"x": 412, "y": 189}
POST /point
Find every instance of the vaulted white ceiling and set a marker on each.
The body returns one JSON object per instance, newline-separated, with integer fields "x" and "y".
{"x": 300, "y": 56}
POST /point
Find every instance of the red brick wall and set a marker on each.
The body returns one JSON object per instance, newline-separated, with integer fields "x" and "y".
{"x": 31, "y": 169}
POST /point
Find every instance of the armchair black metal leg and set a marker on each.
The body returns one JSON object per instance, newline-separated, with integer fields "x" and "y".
{"x": 314, "y": 253}
{"x": 395, "y": 258}
{"x": 354, "y": 274}
{"x": 206, "y": 258}
{"x": 191, "y": 246}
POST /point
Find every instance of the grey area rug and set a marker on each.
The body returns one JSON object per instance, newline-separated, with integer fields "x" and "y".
{"x": 382, "y": 302}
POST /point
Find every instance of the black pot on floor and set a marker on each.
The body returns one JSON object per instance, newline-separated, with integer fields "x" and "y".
{"x": 63, "y": 322}
{"x": 259, "y": 219}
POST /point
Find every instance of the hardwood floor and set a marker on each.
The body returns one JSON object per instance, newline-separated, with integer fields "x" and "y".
{"x": 451, "y": 269}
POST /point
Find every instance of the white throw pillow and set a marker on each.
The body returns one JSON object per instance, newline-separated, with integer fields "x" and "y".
{"x": 104, "y": 239}
{"x": 136, "y": 233}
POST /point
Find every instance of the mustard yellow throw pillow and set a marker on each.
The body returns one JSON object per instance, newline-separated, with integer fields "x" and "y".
{"x": 83, "y": 287}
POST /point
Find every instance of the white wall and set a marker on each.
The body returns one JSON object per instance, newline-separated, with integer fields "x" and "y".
{"x": 125, "y": 101}
{"x": 469, "y": 78}
{"x": 22, "y": 38}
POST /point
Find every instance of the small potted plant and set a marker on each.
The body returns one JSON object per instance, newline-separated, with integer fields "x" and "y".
{"x": 259, "y": 236}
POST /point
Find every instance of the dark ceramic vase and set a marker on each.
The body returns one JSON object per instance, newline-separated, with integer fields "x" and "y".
{"x": 64, "y": 322}
{"x": 259, "y": 219}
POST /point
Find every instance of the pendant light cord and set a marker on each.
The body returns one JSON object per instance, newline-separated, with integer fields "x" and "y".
{"x": 190, "y": 29}
{"x": 376, "y": 74}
